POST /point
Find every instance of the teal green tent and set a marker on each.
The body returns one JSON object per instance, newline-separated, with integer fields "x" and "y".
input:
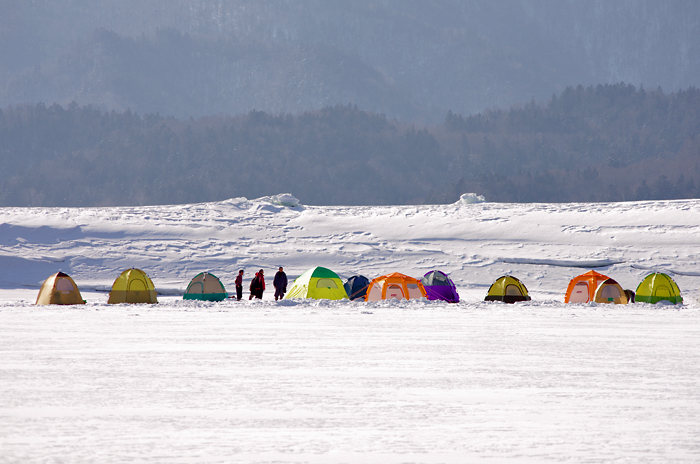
{"x": 207, "y": 287}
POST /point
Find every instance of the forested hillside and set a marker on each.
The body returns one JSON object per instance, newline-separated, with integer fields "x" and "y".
{"x": 409, "y": 59}
{"x": 604, "y": 143}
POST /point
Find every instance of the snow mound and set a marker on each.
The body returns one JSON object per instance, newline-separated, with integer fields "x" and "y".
{"x": 283, "y": 199}
{"x": 469, "y": 198}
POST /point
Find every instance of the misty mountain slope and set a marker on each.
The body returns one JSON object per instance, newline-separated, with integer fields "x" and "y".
{"x": 410, "y": 59}
{"x": 602, "y": 143}
{"x": 172, "y": 74}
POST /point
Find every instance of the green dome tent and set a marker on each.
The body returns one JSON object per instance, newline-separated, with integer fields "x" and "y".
{"x": 318, "y": 283}
{"x": 658, "y": 287}
{"x": 205, "y": 286}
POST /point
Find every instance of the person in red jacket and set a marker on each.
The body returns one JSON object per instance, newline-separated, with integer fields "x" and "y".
{"x": 257, "y": 285}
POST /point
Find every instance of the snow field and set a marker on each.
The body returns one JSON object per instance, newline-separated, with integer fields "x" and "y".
{"x": 336, "y": 382}
{"x": 342, "y": 382}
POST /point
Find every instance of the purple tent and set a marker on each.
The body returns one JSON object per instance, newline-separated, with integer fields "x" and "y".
{"x": 440, "y": 287}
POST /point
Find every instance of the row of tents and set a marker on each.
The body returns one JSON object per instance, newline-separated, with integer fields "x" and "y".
{"x": 595, "y": 287}
{"x": 134, "y": 286}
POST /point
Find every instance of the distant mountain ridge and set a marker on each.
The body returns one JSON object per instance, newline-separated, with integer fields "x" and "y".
{"x": 409, "y": 59}
{"x": 602, "y": 143}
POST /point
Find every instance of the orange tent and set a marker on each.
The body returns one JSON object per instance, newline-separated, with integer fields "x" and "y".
{"x": 582, "y": 288}
{"x": 396, "y": 285}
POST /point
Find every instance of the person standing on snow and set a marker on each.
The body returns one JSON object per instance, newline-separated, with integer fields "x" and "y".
{"x": 257, "y": 285}
{"x": 280, "y": 284}
{"x": 239, "y": 285}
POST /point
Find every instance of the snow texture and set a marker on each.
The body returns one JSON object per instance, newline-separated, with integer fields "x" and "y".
{"x": 331, "y": 382}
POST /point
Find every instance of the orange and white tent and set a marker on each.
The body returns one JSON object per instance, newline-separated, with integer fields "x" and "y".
{"x": 394, "y": 286}
{"x": 582, "y": 288}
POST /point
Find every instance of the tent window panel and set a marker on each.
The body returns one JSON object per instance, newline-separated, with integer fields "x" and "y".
{"x": 413, "y": 291}
{"x": 579, "y": 294}
{"x": 394, "y": 291}
{"x": 610, "y": 292}
{"x": 64, "y": 285}
{"x": 513, "y": 290}
{"x": 213, "y": 286}
{"x": 196, "y": 287}
{"x": 440, "y": 279}
{"x": 662, "y": 291}
{"x": 137, "y": 286}
{"x": 375, "y": 293}
{"x": 326, "y": 283}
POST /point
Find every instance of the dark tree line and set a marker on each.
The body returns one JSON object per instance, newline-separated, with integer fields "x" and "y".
{"x": 604, "y": 143}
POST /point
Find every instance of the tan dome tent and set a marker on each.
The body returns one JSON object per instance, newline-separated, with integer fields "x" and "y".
{"x": 609, "y": 291}
{"x": 132, "y": 286}
{"x": 59, "y": 289}
{"x": 507, "y": 289}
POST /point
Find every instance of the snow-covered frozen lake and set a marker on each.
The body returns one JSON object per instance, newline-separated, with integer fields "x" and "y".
{"x": 334, "y": 382}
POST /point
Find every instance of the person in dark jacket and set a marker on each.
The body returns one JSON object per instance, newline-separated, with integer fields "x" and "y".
{"x": 257, "y": 285}
{"x": 239, "y": 285}
{"x": 280, "y": 284}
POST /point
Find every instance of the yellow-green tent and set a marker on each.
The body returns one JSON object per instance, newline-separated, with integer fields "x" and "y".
{"x": 318, "y": 283}
{"x": 132, "y": 286}
{"x": 658, "y": 287}
{"x": 507, "y": 289}
{"x": 59, "y": 289}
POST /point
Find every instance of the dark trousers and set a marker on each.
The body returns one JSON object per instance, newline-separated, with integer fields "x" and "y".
{"x": 256, "y": 293}
{"x": 239, "y": 292}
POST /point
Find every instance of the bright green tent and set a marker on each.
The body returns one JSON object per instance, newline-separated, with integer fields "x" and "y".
{"x": 658, "y": 287}
{"x": 318, "y": 283}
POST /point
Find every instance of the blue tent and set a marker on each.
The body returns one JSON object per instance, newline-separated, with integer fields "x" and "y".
{"x": 356, "y": 287}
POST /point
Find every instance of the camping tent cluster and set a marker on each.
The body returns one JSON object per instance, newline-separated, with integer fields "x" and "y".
{"x": 595, "y": 287}
{"x": 322, "y": 283}
{"x": 134, "y": 286}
